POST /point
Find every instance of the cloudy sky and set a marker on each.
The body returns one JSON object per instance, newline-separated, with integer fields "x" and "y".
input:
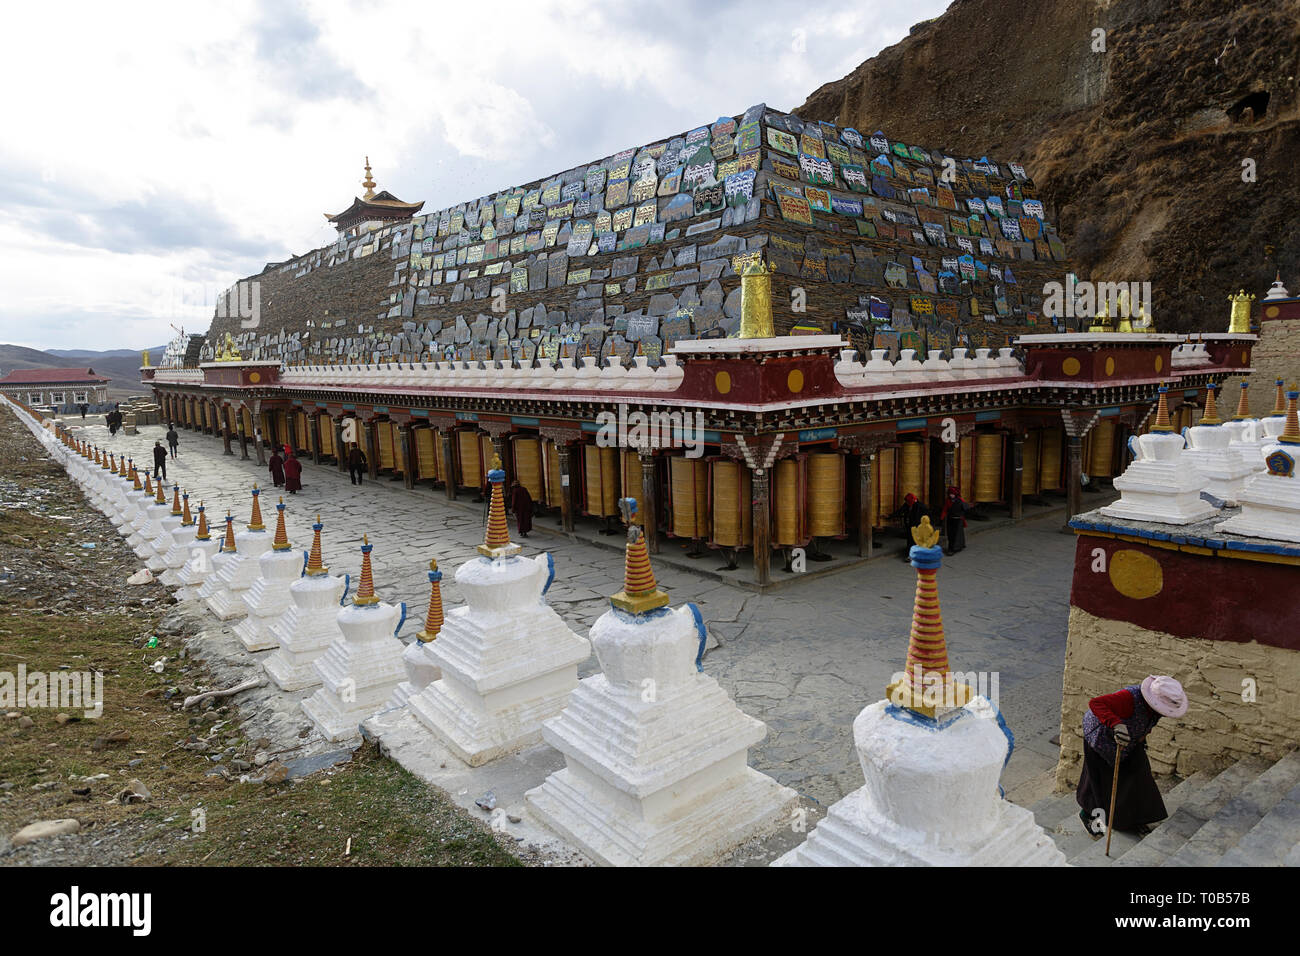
{"x": 154, "y": 153}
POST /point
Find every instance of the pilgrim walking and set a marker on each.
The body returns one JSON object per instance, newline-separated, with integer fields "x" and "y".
{"x": 173, "y": 439}
{"x": 521, "y": 503}
{"x": 1126, "y": 718}
{"x": 159, "y": 460}
{"x": 292, "y": 472}
{"x": 276, "y": 464}
{"x": 953, "y": 517}
{"x": 356, "y": 463}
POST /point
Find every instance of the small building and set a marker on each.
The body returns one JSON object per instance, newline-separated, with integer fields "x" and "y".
{"x": 63, "y": 389}
{"x": 373, "y": 210}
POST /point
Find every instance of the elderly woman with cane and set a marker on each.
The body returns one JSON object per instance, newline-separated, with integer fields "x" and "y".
{"x": 1117, "y": 725}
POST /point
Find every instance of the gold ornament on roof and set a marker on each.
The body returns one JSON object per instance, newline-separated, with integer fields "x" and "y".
{"x": 1239, "y": 323}
{"x": 756, "y": 302}
{"x": 369, "y": 182}
{"x": 925, "y": 535}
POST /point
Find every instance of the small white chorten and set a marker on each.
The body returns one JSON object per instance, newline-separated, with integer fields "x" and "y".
{"x": 656, "y": 769}
{"x": 306, "y": 630}
{"x": 1160, "y": 484}
{"x": 1209, "y": 452}
{"x": 360, "y": 669}
{"x": 931, "y": 756}
{"x": 421, "y": 668}
{"x": 508, "y": 661}
{"x": 1270, "y": 505}
{"x": 204, "y": 553}
{"x": 224, "y": 589}
{"x": 268, "y": 597}
{"x": 174, "y": 558}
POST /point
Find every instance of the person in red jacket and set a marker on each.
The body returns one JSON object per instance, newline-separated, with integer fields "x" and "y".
{"x": 953, "y": 517}
{"x": 1125, "y": 717}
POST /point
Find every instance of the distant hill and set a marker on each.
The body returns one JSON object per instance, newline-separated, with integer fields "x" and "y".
{"x": 122, "y": 366}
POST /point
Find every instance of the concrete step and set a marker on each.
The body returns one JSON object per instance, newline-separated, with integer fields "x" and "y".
{"x": 1274, "y": 840}
{"x": 1199, "y": 806}
{"x": 1121, "y": 843}
{"x": 1239, "y": 815}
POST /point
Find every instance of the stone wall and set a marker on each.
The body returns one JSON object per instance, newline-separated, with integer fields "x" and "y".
{"x": 1101, "y": 656}
{"x": 1276, "y": 355}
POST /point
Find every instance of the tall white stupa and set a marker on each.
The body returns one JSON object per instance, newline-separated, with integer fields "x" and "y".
{"x": 268, "y": 597}
{"x": 1270, "y": 505}
{"x": 307, "y": 628}
{"x": 421, "y": 668}
{"x": 1208, "y": 449}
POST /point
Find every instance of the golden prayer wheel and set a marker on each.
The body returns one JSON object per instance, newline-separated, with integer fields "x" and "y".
{"x": 911, "y": 470}
{"x": 629, "y": 477}
{"x": 301, "y": 424}
{"x": 399, "y": 457}
{"x": 886, "y": 485}
{"x": 965, "y": 467}
{"x": 789, "y": 492}
{"x": 386, "y": 457}
{"x": 471, "y": 469}
{"x": 689, "y": 485}
{"x": 600, "y": 480}
{"x": 1029, "y": 479}
{"x": 325, "y": 428}
{"x": 247, "y": 420}
{"x": 1050, "y": 450}
{"x": 528, "y": 465}
{"x": 426, "y": 454}
{"x": 1101, "y": 464}
{"x": 554, "y": 489}
{"x": 729, "y": 504}
{"x": 826, "y": 494}
{"x": 988, "y": 466}
{"x": 281, "y": 427}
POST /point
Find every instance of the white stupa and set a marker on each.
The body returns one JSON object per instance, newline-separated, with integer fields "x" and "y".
{"x": 421, "y": 668}
{"x": 268, "y": 597}
{"x": 931, "y": 755}
{"x": 205, "y": 553}
{"x": 1270, "y": 426}
{"x": 360, "y": 669}
{"x": 1243, "y": 431}
{"x": 174, "y": 558}
{"x": 1270, "y": 505}
{"x": 508, "y": 661}
{"x": 164, "y": 540}
{"x": 1160, "y": 484}
{"x": 224, "y": 591}
{"x": 655, "y": 751}
{"x": 146, "y": 526}
{"x": 309, "y": 626}
{"x": 1209, "y": 452}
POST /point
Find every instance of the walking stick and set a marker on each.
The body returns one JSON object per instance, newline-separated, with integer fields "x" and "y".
{"x": 1114, "y": 789}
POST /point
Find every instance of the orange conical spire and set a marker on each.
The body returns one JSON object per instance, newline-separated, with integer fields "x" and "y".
{"x": 229, "y": 544}
{"x": 187, "y": 519}
{"x": 1243, "y": 403}
{"x": 1279, "y": 403}
{"x": 161, "y": 496}
{"x": 135, "y": 478}
{"x": 433, "y": 619}
{"x": 1210, "y": 415}
{"x": 1291, "y": 432}
{"x": 926, "y": 686}
{"x": 640, "y": 591}
{"x": 148, "y": 485}
{"x": 1162, "y": 413}
{"x": 281, "y": 542}
{"x": 255, "y": 520}
{"x": 176, "y": 499}
{"x": 314, "y": 566}
{"x": 202, "y": 534}
{"x": 496, "y": 540}
{"x": 107, "y": 462}
{"x": 366, "y": 591}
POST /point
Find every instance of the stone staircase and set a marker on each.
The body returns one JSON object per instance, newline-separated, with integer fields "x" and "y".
{"x": 1245, "y": 815}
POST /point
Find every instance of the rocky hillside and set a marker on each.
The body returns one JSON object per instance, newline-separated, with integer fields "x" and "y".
{"x": 1141, "y": 137}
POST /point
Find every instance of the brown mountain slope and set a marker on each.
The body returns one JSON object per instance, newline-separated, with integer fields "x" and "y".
{"x": 1138, "y": 150}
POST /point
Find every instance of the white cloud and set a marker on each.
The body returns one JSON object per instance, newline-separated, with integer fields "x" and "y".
{"x": 179, "y": 146}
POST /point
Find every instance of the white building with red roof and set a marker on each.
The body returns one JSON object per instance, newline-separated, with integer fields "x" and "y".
{"x": 62, "y": 388}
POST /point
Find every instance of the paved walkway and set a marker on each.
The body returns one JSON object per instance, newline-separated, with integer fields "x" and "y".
{"x": 805, "y": 659}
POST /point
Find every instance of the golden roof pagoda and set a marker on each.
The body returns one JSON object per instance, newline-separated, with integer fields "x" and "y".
{"x": 380, "y": 206}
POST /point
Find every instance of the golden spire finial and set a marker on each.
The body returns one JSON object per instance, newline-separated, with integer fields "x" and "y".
{"x": 1291, "y": 433}
{"x": 202, "y": 534}
{"x": 281, "y": 542}
{"x": 366, "y": 591}
{"x": 135, "y": 478}
{"x": 176, "y": 500}
{"x": 927, "y": 687}
{"x": 187, "y": 519}
{"x": 1243, "y": 403}
{"x": 148, "y": 485}
{"x": 315, "y": 567}
{"x": 1210, "y": 414}
{"x": 640, "y": 592}
{"x": 496, "y": 540}
{"x": 368, "y": 182}
{"x": 229, "y": 544}
{"x": 433, "y": 619}
{"x": 144, "y": 360}
{"x": 1279, "y": 400}
{"x": 255, "y": 519}
{"x": 756, "y": 302}
{"x": 1162, "y": 423}
{"x": 161, "y": 497}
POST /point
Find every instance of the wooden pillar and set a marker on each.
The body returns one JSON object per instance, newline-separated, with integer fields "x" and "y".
{"x": 1074, "y": 476}
{"x": 1017, "y": 475}
{"x": 866, "y": 489}
{"x": 408, "y": 445}
{"x": 313, "y": 437}
{"x": 949, "y": 468}
{"x": 449, "y": 463}
{"x": 567, "y": 486}
{"x": 759, "y": 485}
{"x": 372, "y": 447}
{"x": 649, "y": 503}
{"x": 224, "y": 419}
{"x": 243, "y": 436}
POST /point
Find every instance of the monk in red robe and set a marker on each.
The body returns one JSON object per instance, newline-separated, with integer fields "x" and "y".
{"x": 292, "y": 473}
{"x": 521, "y": 503}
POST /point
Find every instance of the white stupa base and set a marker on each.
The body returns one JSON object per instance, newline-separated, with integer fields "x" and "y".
{"x": 226, "y": 600}
{"x": 163, "y": 544}
{"x": 226, "y": 605}
{"x": 174, "y": 558}
{"x": 196, "y": 571}
{"x": 358, "y": 671}
{"x": 1270, "y": 508}
{"x": 930, "y": 798}
{"x": 421, "y": 671}
{"x": 1168, "y": 492}
{"x": 268, "y": 599}
{"x": 508, "y": 662}
{"x": 305, "y": 631}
